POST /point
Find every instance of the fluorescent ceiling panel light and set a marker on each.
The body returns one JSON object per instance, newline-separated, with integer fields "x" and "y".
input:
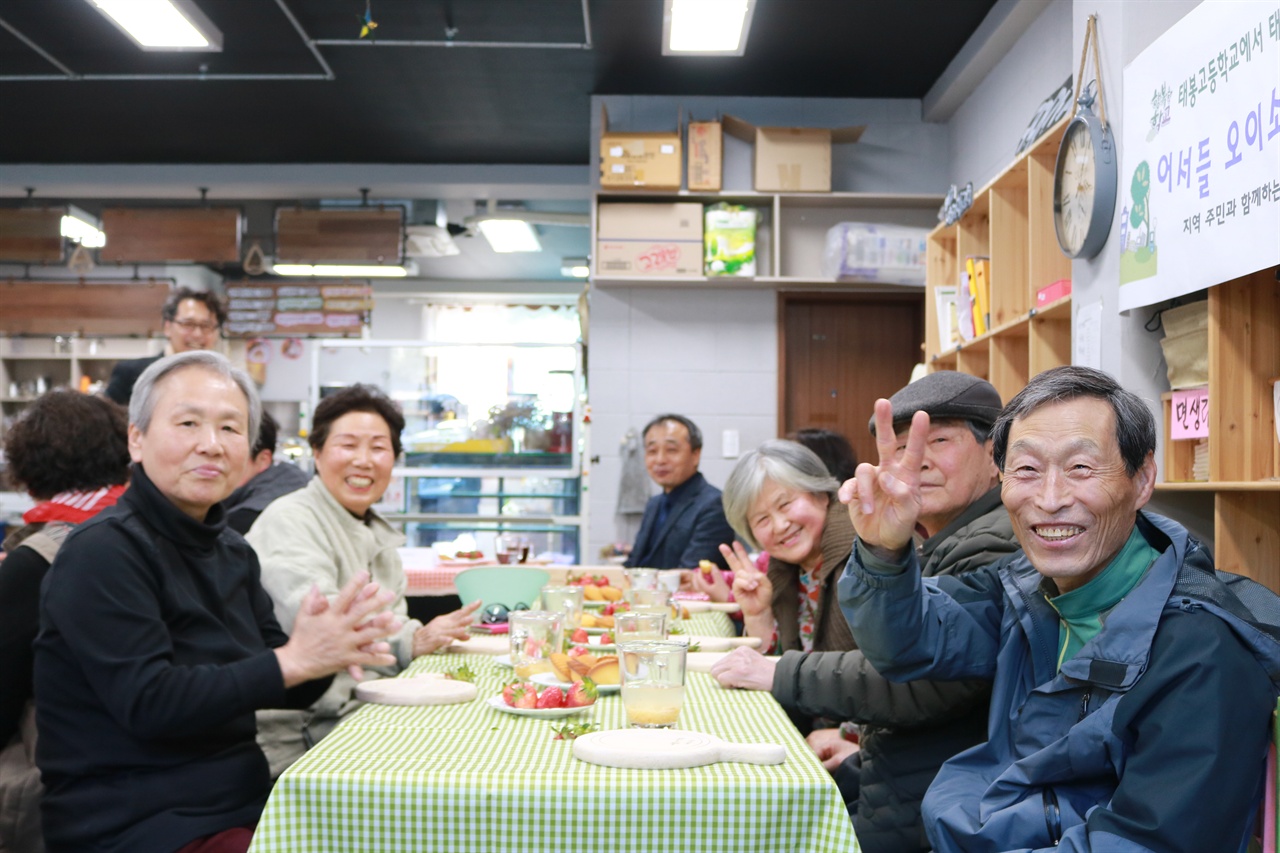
{"x": 162, "y": 24}
{"x": 79, "y": 227}
{"x": 706, "y": 27}
{"x": 509, "y": 235}
{"x": 344, "y": 270}
{"x": 575, "y": 267}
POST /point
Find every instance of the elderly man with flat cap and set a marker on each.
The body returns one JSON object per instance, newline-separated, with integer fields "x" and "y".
{"x": 906, "y": 731}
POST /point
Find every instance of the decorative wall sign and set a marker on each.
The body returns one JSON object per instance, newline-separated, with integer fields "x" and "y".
{"x": 1049, "y": 113}
{"x": 1200, "y": 183}
{"x": 288, "y": 308}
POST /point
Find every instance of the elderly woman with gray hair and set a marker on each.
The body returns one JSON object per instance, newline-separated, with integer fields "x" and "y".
{"x": 781, "y": 498}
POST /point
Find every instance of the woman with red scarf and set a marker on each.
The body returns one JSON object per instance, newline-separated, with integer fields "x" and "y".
{"x": 70, "y": 452}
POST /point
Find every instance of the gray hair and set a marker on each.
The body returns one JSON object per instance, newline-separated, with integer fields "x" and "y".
{"x": 1135, "y": 426}
{"x": 142, "y": 404}
{"x": 787, "y": 463}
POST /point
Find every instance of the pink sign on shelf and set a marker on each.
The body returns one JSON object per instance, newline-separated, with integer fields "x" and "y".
{"x": 1190, "y": 414}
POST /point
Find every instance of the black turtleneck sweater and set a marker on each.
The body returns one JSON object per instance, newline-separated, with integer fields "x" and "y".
{"x": 153, "y": 654}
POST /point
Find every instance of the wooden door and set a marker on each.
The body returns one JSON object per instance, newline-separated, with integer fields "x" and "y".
{"x": 838, "y": 353}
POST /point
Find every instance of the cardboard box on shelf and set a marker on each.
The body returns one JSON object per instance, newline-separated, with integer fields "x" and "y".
{"x": 649, "y": 239}
{"x": 647, "y": 160}
{"x": 706, "y": 151}
{"x": 791, "y": 159}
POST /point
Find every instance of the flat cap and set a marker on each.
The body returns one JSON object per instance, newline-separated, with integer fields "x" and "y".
{"x": 946, "y": 394}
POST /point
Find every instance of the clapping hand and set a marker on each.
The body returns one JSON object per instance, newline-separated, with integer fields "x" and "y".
{"x": 884, "y": 499}
{"x": 443, "y": 630}
{"x": 347, "y": 633}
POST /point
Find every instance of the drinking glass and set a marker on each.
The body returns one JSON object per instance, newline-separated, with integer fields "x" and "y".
{"x": 535, "y": 635}
{"x": 642, "y": 578}
{"x": 652, "y": 682}
{"x": 638, "y": 625}
{"x": 656, "y": 597}
{"x": 566, "y": 600}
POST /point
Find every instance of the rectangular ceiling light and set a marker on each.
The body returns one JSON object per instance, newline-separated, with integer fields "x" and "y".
{"x": 706, "y": 27}
{"x": 344, "y": 270}
{"x": 162, "y": 24}
{"x": 509, "y": 235}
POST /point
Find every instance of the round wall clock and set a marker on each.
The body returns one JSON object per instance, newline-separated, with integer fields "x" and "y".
{"x": 1084, "y": 183}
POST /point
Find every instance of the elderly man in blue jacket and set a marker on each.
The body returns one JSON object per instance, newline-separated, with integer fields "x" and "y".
{"x": 1131, "y": 690}
{"x": 686, "y": 522}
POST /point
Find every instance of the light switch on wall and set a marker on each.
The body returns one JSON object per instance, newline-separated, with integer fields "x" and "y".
{"x": 729, "y": 444}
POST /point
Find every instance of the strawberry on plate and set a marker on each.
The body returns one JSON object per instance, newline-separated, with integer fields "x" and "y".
{"x": 525, "y": 695}
{"x": 606, "y": 639}
{"x": 600, "y": 580}
{"x": 580, "y": 635}
{"x": 509, "y": 694}
{"x": 582, "y": 693}
{"x": 578, "y": 651}
{"x": 550, "y": 697}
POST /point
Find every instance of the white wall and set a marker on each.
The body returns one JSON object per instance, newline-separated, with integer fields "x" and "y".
{"x": 983, "y": 133}
{"x": 711, "y": 355}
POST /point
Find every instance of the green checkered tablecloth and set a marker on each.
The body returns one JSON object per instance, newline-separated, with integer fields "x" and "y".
{"x": 470, "y": 778}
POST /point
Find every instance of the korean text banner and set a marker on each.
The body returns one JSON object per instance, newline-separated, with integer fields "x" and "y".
{"x": 1199, "y": 184}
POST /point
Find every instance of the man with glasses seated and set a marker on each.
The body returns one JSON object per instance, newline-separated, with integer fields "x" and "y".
{"x": 192, "y": 321}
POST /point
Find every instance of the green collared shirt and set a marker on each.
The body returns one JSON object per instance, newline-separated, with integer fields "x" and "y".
{"x": 1084, "y": 610}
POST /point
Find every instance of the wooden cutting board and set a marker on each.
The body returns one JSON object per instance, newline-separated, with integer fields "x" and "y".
{"x": 724, "y": 644}
{"x": 669, "y": 749}
{"x": 432, "y": 689}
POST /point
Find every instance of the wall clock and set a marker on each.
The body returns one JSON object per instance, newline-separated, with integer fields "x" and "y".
{"x": 1085, "y": 177}
{"x": 1084, "y": 183}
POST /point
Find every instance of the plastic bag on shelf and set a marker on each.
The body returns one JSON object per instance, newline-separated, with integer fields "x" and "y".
{"x": 871, "y": 252}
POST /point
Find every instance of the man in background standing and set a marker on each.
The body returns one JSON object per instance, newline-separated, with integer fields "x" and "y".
{"x": 686, "y": 522}
{"x": 264, "y": 480}
{"x": 192, "y": 321}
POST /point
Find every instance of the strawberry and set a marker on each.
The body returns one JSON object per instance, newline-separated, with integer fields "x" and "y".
{"x": 508, "y": 694}
{"x": 610, "y": 608}
{"x": 576, "y": 580}
{"x": 551, "y": 697}
{"x": 581, "y": 694}
{"x": 578, "y": 651}
{"x": 580, "y": 635}
{"x": 533, "y": 647}
{"x": 606, "y": 639}
{"x": 525, "y": 695}
{"x": 600, "y": 580}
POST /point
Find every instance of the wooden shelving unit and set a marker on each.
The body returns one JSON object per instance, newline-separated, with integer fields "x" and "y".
{"x": 1011, "y": 222}
{"x": 1244, "y": 454}
{"x": 56, "y": 361}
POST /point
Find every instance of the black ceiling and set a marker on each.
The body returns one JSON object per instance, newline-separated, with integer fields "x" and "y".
{"x": 389, "y": 104}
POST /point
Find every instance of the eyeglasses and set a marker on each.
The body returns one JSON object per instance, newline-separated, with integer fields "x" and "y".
{"x": 496, "y": 614}
{"x": 192, "y": 325}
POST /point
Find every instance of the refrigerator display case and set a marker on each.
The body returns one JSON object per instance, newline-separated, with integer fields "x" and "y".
{"x": 493, "y": 438}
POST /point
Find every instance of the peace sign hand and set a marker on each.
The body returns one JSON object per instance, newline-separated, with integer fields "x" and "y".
{"x": 884, "y": 499}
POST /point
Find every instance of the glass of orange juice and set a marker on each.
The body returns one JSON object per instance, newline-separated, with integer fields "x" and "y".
{"x": 652, "y": 682}
{"x": 535, "y": 635}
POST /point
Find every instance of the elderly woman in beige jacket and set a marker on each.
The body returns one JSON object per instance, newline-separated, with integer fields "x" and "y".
{"x": 322, "y": 535}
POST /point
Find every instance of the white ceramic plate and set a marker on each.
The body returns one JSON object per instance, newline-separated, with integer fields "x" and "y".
{"x": 496, "y": 703}
{"x": 503, "y": 660}
{"x": 549, "y": 679}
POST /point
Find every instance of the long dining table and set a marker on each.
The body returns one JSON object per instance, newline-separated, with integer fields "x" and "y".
{"x": 468, "y": 777}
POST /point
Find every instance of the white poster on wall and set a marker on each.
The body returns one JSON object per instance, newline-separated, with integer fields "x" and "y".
{"x": 1199, "y": 184}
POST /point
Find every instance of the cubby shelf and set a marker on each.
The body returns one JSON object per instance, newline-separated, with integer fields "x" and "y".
{"x": 1010, "y": 222}
{"x": 1244, "y": 453}
{"x": 790, "y": 236}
